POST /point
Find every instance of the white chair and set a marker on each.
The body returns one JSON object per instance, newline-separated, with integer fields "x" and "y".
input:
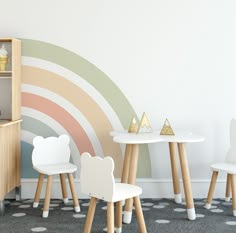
{"x": 98, "y": 182}
{"x": 229, "y": 167}
{"x": 50, "y": 157}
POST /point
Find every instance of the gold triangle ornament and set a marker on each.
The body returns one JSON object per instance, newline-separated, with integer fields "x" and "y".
{"x": 166, "y": 129}
{"x": 144, "y": 125}
{"x": 133, "y": 127}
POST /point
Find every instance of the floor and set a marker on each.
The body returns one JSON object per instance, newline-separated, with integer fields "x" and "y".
{"x": 161, "y": 215}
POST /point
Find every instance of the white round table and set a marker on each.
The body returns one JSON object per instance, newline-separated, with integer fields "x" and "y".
{"x": 130, "y": 163}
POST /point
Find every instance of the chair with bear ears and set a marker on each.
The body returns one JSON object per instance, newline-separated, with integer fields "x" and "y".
{"x": 98, "y": 182}
{"x": 50, "y": 157}
{"x": 229, "y": 167}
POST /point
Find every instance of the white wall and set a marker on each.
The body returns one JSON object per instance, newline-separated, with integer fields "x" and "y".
{"x": 173, "y": 59}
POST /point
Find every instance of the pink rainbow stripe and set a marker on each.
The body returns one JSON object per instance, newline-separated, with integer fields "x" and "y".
{"x": 62, "y": 117}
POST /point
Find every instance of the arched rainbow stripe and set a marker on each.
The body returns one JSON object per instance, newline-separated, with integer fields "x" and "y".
{"x": 90, "y": 73}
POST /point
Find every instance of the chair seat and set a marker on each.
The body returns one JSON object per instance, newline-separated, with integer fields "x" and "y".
{"x": 125, "y": 191}
{"x": 55, "y": 169}
{"x": 225, "y": 167}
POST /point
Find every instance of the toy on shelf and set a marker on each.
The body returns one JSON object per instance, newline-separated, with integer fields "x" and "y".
{"x": 3, "y": 58}
{"x": 144, "y": 125}
{"x": 166, "y": 129}
{"x": 133, "y": 126}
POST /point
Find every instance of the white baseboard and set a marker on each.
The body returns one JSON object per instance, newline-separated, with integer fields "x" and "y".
{"x": 152, "y": 188}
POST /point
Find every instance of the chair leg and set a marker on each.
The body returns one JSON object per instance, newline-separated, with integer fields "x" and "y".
{"x": 63, "y": 188}
{"x": 47, "y": 197}
{"x": 38, "y": 190}
{"x": 73, "y": 192}
{"x": 90, "y": 215}
{"x": 139, "y": 213}
{"x": 211, "y": 189}
{"x": 233, "y": 187}
{"x": 228, "y": 188}
{"x": 118, "y": 225}
{"x": 110, "y": 217}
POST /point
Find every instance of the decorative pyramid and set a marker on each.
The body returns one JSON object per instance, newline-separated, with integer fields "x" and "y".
{"x": 133, "y": 127}
{"x": 144, "y": 125}
{"x": 166, "y": 129}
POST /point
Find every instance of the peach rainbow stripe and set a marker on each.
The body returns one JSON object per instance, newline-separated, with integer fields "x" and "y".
{"x": 81, "y": 100}
{"x": 60, "y": 115}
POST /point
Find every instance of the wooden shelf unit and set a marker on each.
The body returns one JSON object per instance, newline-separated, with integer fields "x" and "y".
{"x": 10, "y": 107}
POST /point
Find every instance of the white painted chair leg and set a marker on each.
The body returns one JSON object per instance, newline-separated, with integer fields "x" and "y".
{"x": 118, "y": 229}
{"x": 35, "y": 204}
{"x": 178, "y": 198}
{"x": 227, "y": 199}
{"x": 127, "y": 217}
{"x": 191, "y": 214}
{"x": 65, "y": 200}
{"x": 77, "y": 209}
{"x": 45, "y": 213}
{"x": 208, "y": 206}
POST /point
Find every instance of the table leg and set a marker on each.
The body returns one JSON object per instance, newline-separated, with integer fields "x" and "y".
{"x": 174, "y": 169}
{"x": 131, "y": 180}
{"x": 186, "y": 181}
{"x": 2, "y": 207}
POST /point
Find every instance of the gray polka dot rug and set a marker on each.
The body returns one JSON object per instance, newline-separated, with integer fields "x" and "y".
{"x": 161, "y": 215}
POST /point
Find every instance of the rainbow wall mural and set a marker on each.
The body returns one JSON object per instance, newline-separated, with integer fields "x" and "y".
{"x": 64, "y": 93}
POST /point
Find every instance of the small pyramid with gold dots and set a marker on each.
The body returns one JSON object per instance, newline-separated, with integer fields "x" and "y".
{"x": 133, "y": 127}
{"x": 166, "y": 129}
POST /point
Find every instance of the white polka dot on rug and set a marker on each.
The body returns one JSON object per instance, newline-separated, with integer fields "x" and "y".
{"x": 199, "y": 203}
{"x": 104, "y": 229}
{"x": 163, "y": 203}
{"x": 147, "y": 204}
{"x": 38, "y": 229}
{"x": 19, "y": 214}
{"x": 24, "y": 206}
{"x": 231, "y": 223}
{"x": 104, "y": 208}
{"x": 215, "y": 202}
{"x": 162, "y": 221}
{"x": 67, "y": 208}
{"x": 159, "y": 206}
{"x": 179, "y": 210}
{"x": 227, "y": 203}
{"x": 85, "y": 204}
{"x": 145, "y": 209}
{"x": 200, "y": 215}
{"x": 79, "y": 215}
{"x": 53, "y": 205}
{"x": 217, "y": 211}
{"x": 28, "y": 201}
{"x": 15, "y": 203}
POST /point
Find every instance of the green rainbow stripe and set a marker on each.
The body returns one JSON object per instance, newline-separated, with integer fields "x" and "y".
{"x": 94, "y": 76}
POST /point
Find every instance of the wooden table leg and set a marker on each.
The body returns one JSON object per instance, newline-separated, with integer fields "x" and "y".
{"x": 233, "y": 188}
{"x": 126, "y": 164}
{"x": 139, "y": 213}
{"x": 228, "y": 188}
{"x": 174, "y": 169}
{"x": 131, "y": 180}
{"x": 186, "y": 181}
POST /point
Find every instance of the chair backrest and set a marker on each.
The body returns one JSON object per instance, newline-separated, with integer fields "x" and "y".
{"x": 231, "y": 155}
{"x": 96, "y": 177}
{"x": 51, "y": 150}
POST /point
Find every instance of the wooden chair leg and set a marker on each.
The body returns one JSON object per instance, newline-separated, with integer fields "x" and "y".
{"x": 47, "y": 197}
{"x": 90, "y": 215}
{"x": 74, "y": 193}
{"x": 211, "y": 189}
{"x": 110, "y": 217}
{"x": 131, "y": 180}
{"x": 38, "y": 190}
{"x": 174, "y": 170}
{"x": 228, "y": 188}
{"x": 139, "y": 213}
{"x": 63, "y": 188}
{"x": 118, "y": 225}
{"x": 233, "y": 187}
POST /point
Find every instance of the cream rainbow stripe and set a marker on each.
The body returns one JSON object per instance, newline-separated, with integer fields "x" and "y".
{"x": 119, "y": 114}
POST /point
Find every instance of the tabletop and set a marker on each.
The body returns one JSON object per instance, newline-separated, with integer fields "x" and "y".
{"x": 154, "y": 137}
